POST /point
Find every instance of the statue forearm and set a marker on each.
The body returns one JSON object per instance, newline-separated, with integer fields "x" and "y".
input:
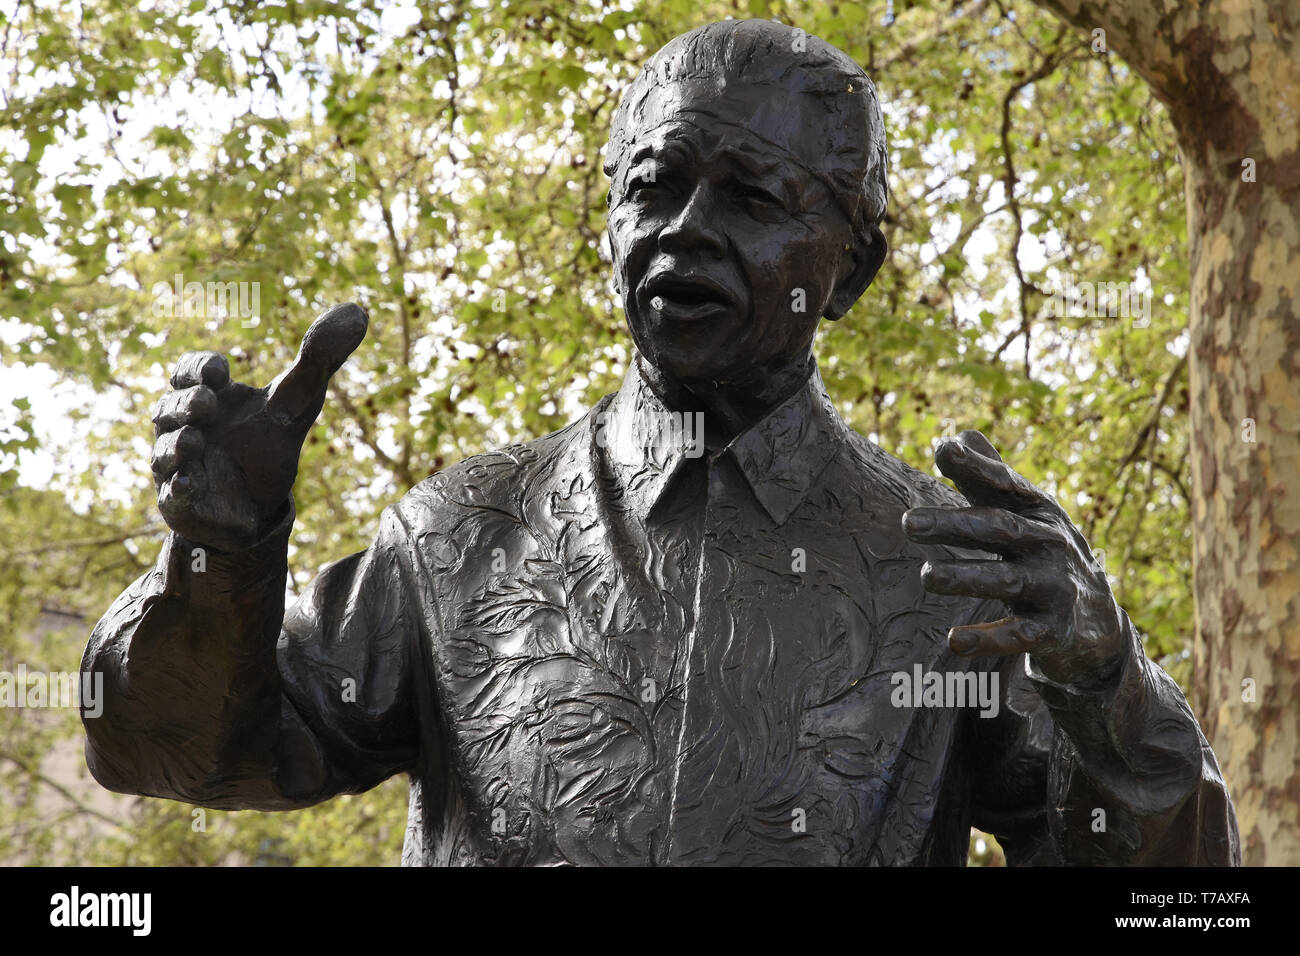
{"x": 192, "y": 704}
{"x": 214, "y": 696}
{"x": 1131, "y": 775}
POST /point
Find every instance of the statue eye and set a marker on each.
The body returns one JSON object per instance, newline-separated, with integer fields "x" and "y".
{"x": 645, "y": 179}
{"x": 757, "y": 196}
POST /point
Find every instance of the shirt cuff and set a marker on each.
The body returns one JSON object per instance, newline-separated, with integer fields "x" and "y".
{"x": 204, "y": 576}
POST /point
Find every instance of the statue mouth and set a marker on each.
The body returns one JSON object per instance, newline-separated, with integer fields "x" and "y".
{"x": 687, "y": 297}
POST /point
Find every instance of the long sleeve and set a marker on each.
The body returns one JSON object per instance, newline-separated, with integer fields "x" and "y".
{"x": 1116, "y": 774}
{"x": 212, "y": 695}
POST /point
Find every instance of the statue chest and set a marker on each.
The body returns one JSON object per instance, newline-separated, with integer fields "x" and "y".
{"x": 705, "y": 687}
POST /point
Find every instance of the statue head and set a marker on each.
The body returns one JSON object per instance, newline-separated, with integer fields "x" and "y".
{"x": 748, "y": 180}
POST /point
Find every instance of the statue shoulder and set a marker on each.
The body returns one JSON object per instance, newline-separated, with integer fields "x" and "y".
{"x": 500, "y": 479}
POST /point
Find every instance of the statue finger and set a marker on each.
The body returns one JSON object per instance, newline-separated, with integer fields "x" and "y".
{"x": 174, "y": 449}
{"x": 1000, "y": 580}
{"x": 984, "y": 480}
{"x": 1011, "y": 635}
{"x": 188, "y": 406}
{"x": 984, "y": 529}
{"x": 180, "y": 492}
{"x": 201, "y": 368}
{"x": 296, "y": 397}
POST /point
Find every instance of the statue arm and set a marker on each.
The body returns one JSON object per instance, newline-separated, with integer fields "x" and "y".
{"x": 1114, "y": 774}
{"x": 1095, "y": 757}
{"x": 212, "y": 695}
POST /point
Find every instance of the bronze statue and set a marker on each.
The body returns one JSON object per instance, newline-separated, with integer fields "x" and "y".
{"x": 706, "y": 623}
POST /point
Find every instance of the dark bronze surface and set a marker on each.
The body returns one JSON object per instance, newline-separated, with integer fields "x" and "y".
{"x": 707, "y": 622}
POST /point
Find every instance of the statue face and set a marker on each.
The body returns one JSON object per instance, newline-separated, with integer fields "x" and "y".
{"x": 727, "y": 242}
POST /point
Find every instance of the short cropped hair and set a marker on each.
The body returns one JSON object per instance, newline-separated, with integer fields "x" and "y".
{"x": 764, "y": 52}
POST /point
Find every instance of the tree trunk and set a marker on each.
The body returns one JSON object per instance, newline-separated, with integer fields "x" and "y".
{"x": 1229, "y": 72}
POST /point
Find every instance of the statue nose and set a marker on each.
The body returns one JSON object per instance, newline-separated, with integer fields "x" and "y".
{"x": 694, "y": 227}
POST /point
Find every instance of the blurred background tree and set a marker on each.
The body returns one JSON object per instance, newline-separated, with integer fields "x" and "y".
{"x": 439, "y": 163}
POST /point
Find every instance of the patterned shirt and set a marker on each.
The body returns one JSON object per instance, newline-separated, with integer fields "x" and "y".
{"x": 615, "y": 645}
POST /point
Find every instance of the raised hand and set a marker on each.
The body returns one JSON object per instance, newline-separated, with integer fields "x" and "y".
{"x": 226, "y": 454}
{"x": 1062, "y": 610}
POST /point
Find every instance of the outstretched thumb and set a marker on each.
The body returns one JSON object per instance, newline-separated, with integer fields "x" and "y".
{"x": 300, "y": 392}
{"x": 976, "y": 439}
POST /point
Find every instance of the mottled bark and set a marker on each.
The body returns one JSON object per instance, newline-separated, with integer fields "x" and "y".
{"x": 1229, "y": 73}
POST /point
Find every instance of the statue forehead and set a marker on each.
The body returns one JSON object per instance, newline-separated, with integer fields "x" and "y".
{"x": 719, "y": 111}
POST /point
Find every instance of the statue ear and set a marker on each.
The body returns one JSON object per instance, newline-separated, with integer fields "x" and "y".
{"x": 867, "y": 257}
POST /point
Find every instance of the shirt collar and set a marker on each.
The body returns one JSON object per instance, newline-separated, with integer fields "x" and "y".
{"x": 781, "y": 456}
